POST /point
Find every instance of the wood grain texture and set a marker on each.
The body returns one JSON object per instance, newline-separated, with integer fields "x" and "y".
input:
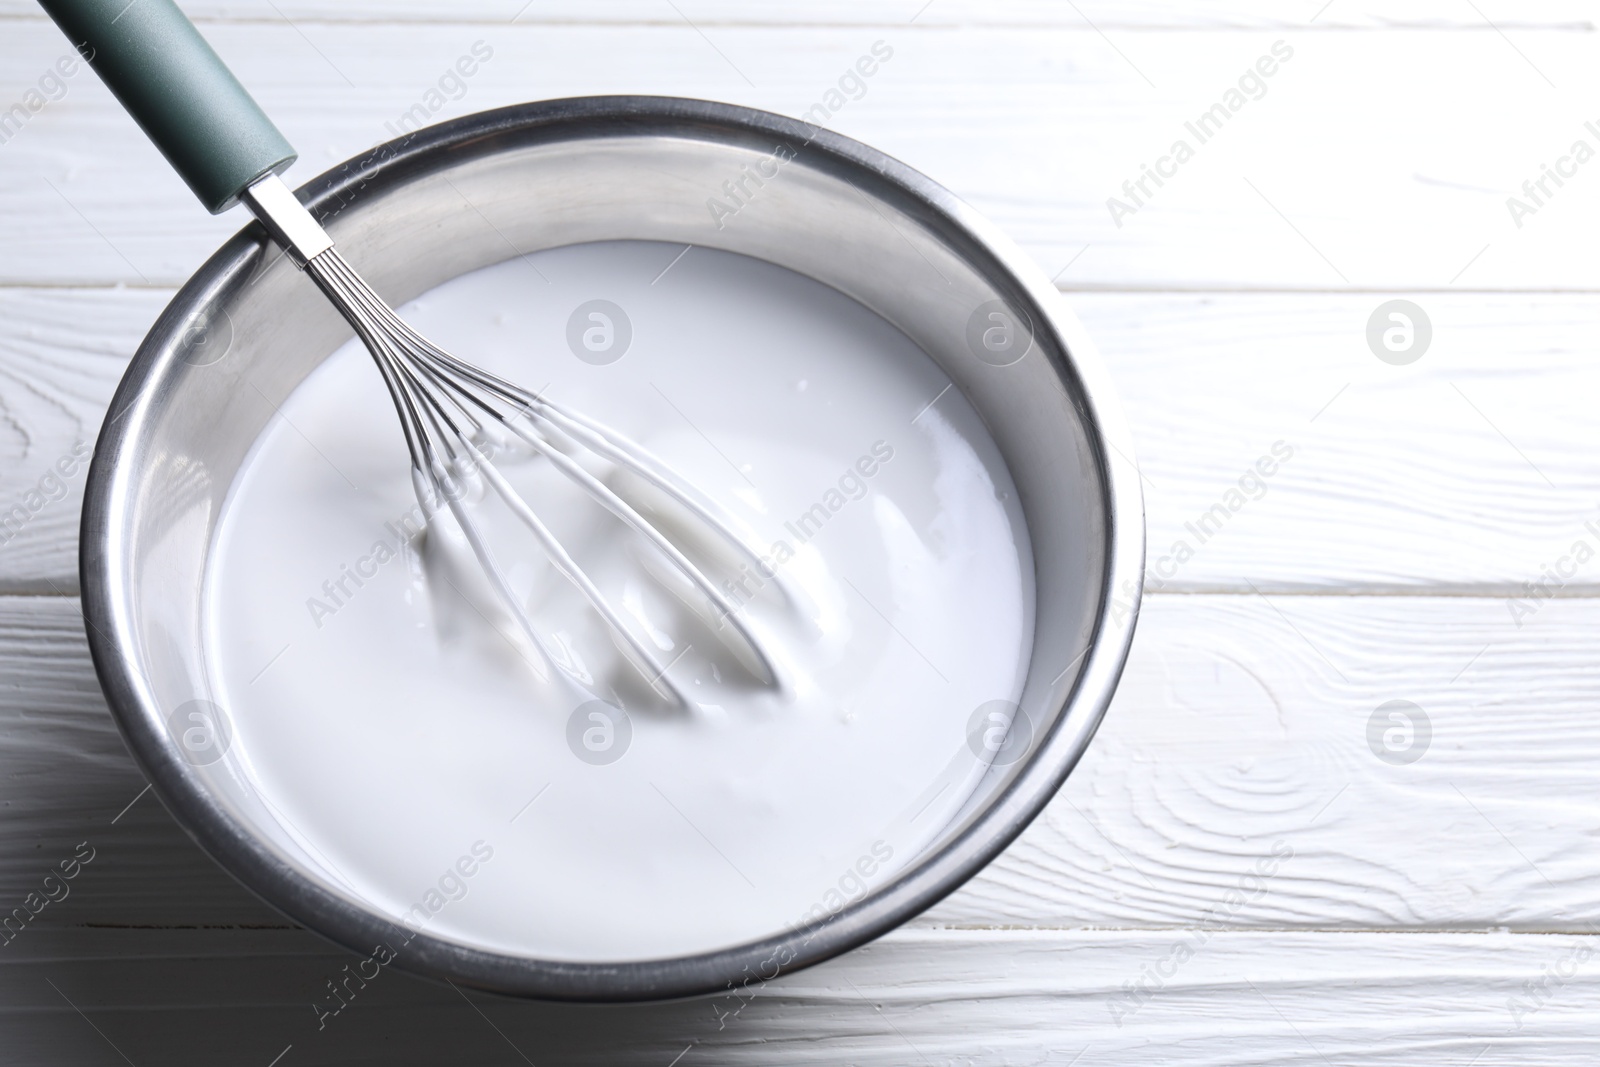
{"x": 1467, "y": 472}
{"x": 1237, "y": 743}
{"x": 61, "y": 355}
{"x": 1234, "y": 774}
{"x": 66, "y": 779}
{"x": 1344, "y": 175}
{"x": 996, "y": 998}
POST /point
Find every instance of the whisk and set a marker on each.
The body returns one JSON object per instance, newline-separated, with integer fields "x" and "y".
{"x": 228, "y": 151}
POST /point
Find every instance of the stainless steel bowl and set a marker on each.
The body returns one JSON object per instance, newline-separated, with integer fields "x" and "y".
{"x": 416, "y": 212}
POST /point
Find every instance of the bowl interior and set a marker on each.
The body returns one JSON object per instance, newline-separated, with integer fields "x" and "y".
{"x": 412, "y": 215}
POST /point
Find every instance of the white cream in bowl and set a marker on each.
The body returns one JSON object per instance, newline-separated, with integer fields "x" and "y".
{"x": 399, "y": 729}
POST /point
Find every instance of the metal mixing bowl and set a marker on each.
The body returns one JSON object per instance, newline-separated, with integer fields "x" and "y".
{"x": 416, "y": 212}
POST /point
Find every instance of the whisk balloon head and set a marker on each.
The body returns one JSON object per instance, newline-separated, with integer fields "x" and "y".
{"x": 452, "y": 412}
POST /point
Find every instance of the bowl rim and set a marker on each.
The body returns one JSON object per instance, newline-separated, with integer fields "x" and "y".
{"x": 911, "y": 891}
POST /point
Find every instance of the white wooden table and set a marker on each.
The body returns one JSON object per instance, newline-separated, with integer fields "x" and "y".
{"x": 1233, "y": 875}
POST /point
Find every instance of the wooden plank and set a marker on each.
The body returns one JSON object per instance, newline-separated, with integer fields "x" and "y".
{"x": 938, "y": 997}
{"x": 1238, "y": 758}
{"x": 1105, "y": 14}
{"x": 1466, "y": 471}
{"x": 66, "y": 779}
{"x": 1328, "y": 181}
{"x": 1430, "y": 477}
{"x": 1238, "y": 742}
{"x": 61, "y": 354}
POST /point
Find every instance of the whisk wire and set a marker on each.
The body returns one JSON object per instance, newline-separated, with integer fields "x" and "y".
{"x": 436, "y": 395}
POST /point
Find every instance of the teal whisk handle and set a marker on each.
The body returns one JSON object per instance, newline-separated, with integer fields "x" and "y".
{"x": 187, "y": 101}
